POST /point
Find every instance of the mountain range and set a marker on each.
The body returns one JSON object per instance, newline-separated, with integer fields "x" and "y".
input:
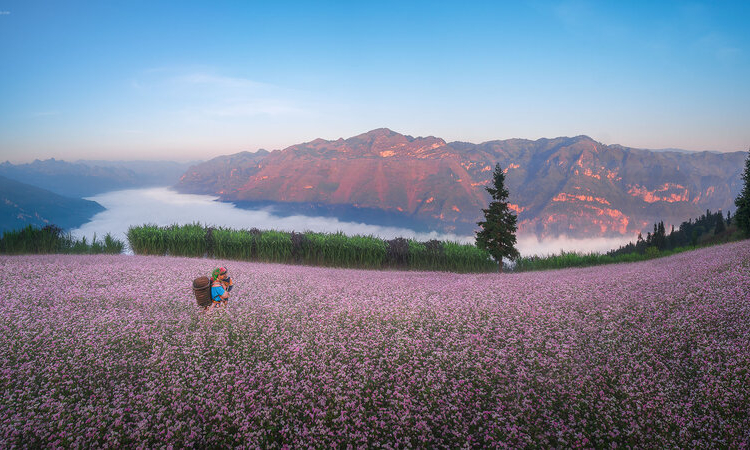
{"x": 88, "y": 178}
{"x": 50, "y": 191}
{"x": 575, "y": 187}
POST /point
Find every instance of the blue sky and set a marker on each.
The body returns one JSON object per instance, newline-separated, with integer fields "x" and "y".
{"x": 192, "y": 80}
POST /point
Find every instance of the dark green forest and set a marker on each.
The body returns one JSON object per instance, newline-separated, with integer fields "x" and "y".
{"x": 706, "y": 229}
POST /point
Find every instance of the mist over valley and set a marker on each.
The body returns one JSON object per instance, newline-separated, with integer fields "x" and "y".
{"x": 163, "y": 206}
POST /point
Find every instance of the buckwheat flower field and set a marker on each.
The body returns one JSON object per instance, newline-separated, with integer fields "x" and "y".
{"x": 112, "y": 351}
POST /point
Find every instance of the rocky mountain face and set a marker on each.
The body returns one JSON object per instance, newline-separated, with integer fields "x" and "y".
{"x": 574, "y": 187}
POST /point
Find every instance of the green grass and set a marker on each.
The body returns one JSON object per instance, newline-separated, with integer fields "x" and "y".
{"x": 176, "y": 240}
{"x": 274, "y": 246}
{"x": 233, "y": 244}
{"x": 187, "y": 240}
{"x": 52, "y": 239}
{"x": 309, "y": 248}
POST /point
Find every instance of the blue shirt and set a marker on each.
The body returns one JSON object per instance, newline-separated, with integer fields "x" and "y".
{"x": 216, "y": 293}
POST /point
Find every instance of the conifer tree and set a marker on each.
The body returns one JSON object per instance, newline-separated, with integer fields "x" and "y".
{"x": 720, "y": 227}
{"x": 742, "y": 213}
{"x": 498, "y": 233}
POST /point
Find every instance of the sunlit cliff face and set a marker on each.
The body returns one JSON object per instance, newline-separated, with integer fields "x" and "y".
{"x": 566, "y": 186}
{"x": 668, "y": 192}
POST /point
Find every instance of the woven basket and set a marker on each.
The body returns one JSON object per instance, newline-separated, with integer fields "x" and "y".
{"x": 202, "y": 291}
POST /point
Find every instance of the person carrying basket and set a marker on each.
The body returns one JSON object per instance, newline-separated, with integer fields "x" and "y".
{"x": 221, "y": 284}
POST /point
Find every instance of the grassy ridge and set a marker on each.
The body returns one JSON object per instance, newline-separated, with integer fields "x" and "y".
{"x": 52, "y": 239}
{"x": 319, "y": 249}
{"x": 580, "y": 259}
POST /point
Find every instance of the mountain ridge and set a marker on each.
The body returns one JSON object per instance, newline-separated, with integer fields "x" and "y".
{"x": 558, "y": 187}
{"x": 22, "y": 204}
{"x": 87, "y": 178}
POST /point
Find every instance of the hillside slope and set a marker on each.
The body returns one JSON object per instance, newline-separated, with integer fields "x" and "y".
{"x": 22, "y": 204}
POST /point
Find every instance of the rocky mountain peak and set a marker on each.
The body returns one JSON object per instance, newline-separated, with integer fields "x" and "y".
{"x": 385, "y": 143}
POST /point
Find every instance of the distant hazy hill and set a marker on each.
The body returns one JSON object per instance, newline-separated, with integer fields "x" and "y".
{"x": 87, "y": 178}
{"x": 564, "y": 186}
{"x": 22, "y": 204}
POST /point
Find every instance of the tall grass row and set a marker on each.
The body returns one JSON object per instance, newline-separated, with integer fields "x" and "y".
{"x": 52, "y": 239}
{"x": 274, "y": 246}
{"x": 233, "y": 244}
{"x": 309, "y": 248}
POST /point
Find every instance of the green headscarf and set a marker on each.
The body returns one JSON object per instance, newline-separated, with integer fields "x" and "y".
{"x": 218, "y": 271}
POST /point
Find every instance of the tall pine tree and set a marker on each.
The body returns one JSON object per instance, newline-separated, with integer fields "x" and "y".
{"x": 498, "y": 233}
{"x": 742, "y": 213}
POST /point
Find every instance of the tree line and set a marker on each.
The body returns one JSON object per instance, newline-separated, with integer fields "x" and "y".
{"x": 689, "y": 233}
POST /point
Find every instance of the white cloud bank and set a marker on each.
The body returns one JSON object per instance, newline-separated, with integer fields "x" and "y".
{"x": 531, "y": 245}
{"x": 162, "y": 206}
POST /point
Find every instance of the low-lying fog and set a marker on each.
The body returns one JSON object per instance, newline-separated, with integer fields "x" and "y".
{"x": 162, "y": 206}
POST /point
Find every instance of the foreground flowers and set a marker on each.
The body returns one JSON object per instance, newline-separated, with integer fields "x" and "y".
{"x": 111, "y": 351}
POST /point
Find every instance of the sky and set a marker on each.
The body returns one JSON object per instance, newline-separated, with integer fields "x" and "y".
{"x": 193, "y": 80}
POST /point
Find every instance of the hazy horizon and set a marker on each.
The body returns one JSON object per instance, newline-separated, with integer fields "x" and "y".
{"x": 94, "y": 80}
{"x": 119, "y": 159}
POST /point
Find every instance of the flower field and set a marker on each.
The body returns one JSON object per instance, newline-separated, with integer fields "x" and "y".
{"x": 111, "y": 351}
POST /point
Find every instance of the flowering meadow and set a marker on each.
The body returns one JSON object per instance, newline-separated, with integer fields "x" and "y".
{"x": 111, "y": 351}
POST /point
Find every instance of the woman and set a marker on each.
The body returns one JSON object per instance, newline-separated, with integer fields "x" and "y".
{"x": 221, "y": 284}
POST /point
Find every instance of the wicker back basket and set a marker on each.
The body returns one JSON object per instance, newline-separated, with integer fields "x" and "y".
{"x": 202, "y": 291}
